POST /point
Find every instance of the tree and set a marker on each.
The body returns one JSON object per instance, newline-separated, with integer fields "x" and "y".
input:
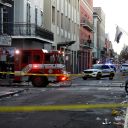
{"x": 123, "y": 57}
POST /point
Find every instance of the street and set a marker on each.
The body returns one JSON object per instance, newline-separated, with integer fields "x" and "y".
{"x": 81, "y": 91}
{"x": 59, "y": 64}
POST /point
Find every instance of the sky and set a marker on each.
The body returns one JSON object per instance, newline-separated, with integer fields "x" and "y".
{"x": 115, "y": 14}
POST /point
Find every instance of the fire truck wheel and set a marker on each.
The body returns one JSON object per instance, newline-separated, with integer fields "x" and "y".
{"x": 39, "y": 81}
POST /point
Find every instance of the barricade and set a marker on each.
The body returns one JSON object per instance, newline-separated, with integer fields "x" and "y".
{"x": 60, "y": 107}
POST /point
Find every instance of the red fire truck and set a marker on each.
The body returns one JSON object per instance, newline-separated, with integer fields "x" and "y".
{"x": 34, "y": 65}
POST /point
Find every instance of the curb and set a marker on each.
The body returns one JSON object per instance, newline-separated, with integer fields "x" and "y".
{"x": 11, "y": 93}
{"x": 126, "y": 119}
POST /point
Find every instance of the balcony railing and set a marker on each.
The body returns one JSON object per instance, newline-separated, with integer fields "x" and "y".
{"x": 87, "y": 44}
{"x": 86, "y": 24}
{"x": 7, "y": 3}
{"x": 21, "y": 29}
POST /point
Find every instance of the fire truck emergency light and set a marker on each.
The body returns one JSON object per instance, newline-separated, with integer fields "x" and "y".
{"x": 59, "y": 52}
{"x": 63, "y": 78}
{"x": 35, "y": 66}
{"x": 45, "y": 51}
{"x": 17, "y": 51}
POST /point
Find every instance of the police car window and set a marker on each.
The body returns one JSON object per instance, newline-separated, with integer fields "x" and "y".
{"x": 105, "y": 67}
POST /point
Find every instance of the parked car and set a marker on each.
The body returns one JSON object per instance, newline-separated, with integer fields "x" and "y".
{"x": 124, "y": 68}
{"x": 112, "y": 66}
{"x": 98, "y": 71}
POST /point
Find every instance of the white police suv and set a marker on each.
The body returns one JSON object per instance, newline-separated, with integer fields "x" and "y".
{"x": 98, "y": 71}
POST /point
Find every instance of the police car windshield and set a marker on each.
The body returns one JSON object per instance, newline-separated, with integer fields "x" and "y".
{"x": 96, "y": 66}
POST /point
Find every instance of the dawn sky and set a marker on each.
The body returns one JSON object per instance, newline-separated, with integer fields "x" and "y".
{"x": 115, "y": 14}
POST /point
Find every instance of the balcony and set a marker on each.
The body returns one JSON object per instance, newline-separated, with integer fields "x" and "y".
{"x": 87, "y": 25}
{"x": 87, "y": 44}
{"x": 7, "y": 3}
{"x": 26, "y": 30}
{"x": 65, "y": 44}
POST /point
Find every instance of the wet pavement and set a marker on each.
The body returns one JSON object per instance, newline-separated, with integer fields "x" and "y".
{"x": 8, "y": 90}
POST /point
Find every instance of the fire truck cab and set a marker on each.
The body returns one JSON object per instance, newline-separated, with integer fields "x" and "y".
{"x": 35, "y": 65}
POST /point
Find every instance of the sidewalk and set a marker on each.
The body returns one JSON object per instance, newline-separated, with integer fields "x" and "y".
{"x": 126, "y": 117}
{"x": 10, "y": 91}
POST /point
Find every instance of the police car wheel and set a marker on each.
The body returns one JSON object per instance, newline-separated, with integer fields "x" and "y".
{"x": 126, "y": 87}
{"x": 98, "y": 77}
{"x": 111, "y": 76}
{"x": 84, "y": 78}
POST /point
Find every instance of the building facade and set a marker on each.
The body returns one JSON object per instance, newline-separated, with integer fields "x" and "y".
{"x": 23, "y": 23}
{"x": 62, "y": 18}
{"x": 109, "y": 54}
{"x": 86, "y": 34}
{"x": 96, "y": 21}
{"x": 6, "y": 11}
{"x": 99, "y": 34}
{"x": 65, "y": 25}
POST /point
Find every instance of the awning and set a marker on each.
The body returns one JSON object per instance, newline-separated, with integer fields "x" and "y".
{"x": 66, "y": 44}
{"x": 34, "y": 37}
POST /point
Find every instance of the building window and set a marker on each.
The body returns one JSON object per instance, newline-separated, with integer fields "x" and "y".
{"x": 36, "y": 15}
{"x": 75, "y": 4}
{"x": 42, "y": 18}
{"x": 78, "y": 5}
{"x": 28, "y": 13}
{"x": 68, "y": 25}
{"x": 53, "y": 14}
{"x": 28, "y": 29}
{"x": 62, "y": 22}
{"x": 5, "y": 20}
{"x": 73, "y": 28}
{"x": 58, "y": 18}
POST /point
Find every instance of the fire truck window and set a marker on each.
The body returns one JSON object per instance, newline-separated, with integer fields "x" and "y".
{"x": 26, "y": 57}
{"x": 60, "y": 59}
{"x": 57, "y": 58}
{"x": 47, "y": 59}
{"x": 36, "y": 58}
{"x": 52, "y": 59}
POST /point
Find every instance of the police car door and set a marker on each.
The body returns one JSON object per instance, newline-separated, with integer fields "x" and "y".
{"x": 105, "y": 70}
